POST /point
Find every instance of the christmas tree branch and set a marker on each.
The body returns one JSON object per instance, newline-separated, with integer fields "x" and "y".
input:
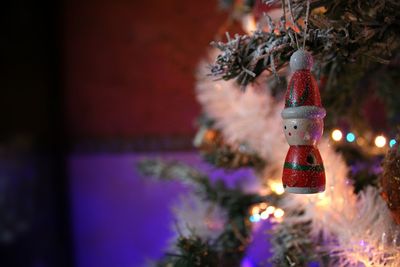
{"x": 338, "y": 31}
{"x": 228, "y": 248}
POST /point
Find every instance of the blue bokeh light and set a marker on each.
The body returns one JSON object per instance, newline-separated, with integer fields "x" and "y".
{"x": 255, "y": 218}
{"x": 350, "y": 137}
{"x": 392, "y": 142}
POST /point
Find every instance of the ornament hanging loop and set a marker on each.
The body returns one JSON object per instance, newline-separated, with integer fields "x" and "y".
{"x": 306, "y": 24}
{"x": 293, "y": 22}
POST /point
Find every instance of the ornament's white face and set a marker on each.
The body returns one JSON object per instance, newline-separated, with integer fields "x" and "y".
{"x": 303, "y": 131}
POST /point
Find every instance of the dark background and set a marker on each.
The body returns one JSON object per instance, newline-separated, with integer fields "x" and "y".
{"x": 35, "y": 229}
{"x": 87, "y": 76}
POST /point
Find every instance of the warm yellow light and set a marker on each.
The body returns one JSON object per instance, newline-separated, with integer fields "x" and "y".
{"x": 319, "y": 10}
{"x": 337, "y": 135}
{"x": 255, "y": 210}
{"x": 210, "y": 135}
{"x": 263, "y": 205}
{"x": 360, "y": 141}
{"x": 380, "y": 141}
{"x": 270, "y": 209}
{"x": 279, "y": 213}
{"x": 264, "y": 215}
{"x": 249, "y": 23}
{"x": 323, "y": 200}
{"x": 277, "y": 188}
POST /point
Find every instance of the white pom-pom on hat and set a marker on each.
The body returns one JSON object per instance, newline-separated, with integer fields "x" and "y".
{"x": 301, "y": 60}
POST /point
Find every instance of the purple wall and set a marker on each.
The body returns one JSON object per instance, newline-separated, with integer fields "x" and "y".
{"x": 122, "y": 219}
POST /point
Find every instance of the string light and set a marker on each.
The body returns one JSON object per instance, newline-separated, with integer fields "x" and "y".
{"x": 263, "y": 205}
{"x": 350, "y": 137}
{"x": 323, "y": 200}
{"x": 337, "y": 135}
{"x": 210, "y": 135}
{"x": 249, "y": 24}
{"x": 263, "y": 211}
{"x": 255, "y": 210}
{"x": 264, "y": 215}
{"x": 277, "y": 188}
{"x": 361, "y": 141}
{"x": 380, "y": 141}
{"x": 255, "y": 218}
{"x": 392, "y": 142}
{"x": 279, "y": 213}
{"x": 270, "y": 209}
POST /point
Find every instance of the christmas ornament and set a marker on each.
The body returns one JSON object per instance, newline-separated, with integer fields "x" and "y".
{"x": 390, "y": 182}
{"x": 303, "y": 171}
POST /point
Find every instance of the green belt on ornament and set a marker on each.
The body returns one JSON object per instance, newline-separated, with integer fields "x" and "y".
{"x": 298, "y": 167}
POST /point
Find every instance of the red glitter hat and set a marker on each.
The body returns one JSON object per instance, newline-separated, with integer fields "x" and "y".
{"x": 302, "y": 98}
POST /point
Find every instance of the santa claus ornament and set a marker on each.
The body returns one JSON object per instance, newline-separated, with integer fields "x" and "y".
{"x": 303, "y": 171}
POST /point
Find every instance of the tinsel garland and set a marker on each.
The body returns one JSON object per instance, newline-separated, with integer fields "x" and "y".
{"x": 251, "y": 116}
{"x": 292, "y": 245}
{"x": 363, "y": 236}
{"x": 225, "y": 250}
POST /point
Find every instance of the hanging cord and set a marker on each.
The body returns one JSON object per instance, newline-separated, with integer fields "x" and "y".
{"x": 284, "y": 13}
{"x": 306, "y": 24}
{"x": 294, "y": 24}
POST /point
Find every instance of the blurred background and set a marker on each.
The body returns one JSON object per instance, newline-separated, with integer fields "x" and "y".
{"x": 88, "y": 88}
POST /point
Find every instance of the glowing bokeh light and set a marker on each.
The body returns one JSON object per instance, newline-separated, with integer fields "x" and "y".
{"x": 392, "y": 142}
{"x": 255, "y": 218}
{"x": 263, "y": 205}
{"x": 277, "y": 188}
{"x": 264, "y": 215}
{"x": 279, "y": 213}
{"x": 255, "y": 210}
{"x": 249, "y": 23}
{"x": 350, "y": 137}
{"x": 337, "y": 135}
{"x": 270, "y": 209}
{"x": 360, "y": 141}
{"x": 380, "y": 141}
